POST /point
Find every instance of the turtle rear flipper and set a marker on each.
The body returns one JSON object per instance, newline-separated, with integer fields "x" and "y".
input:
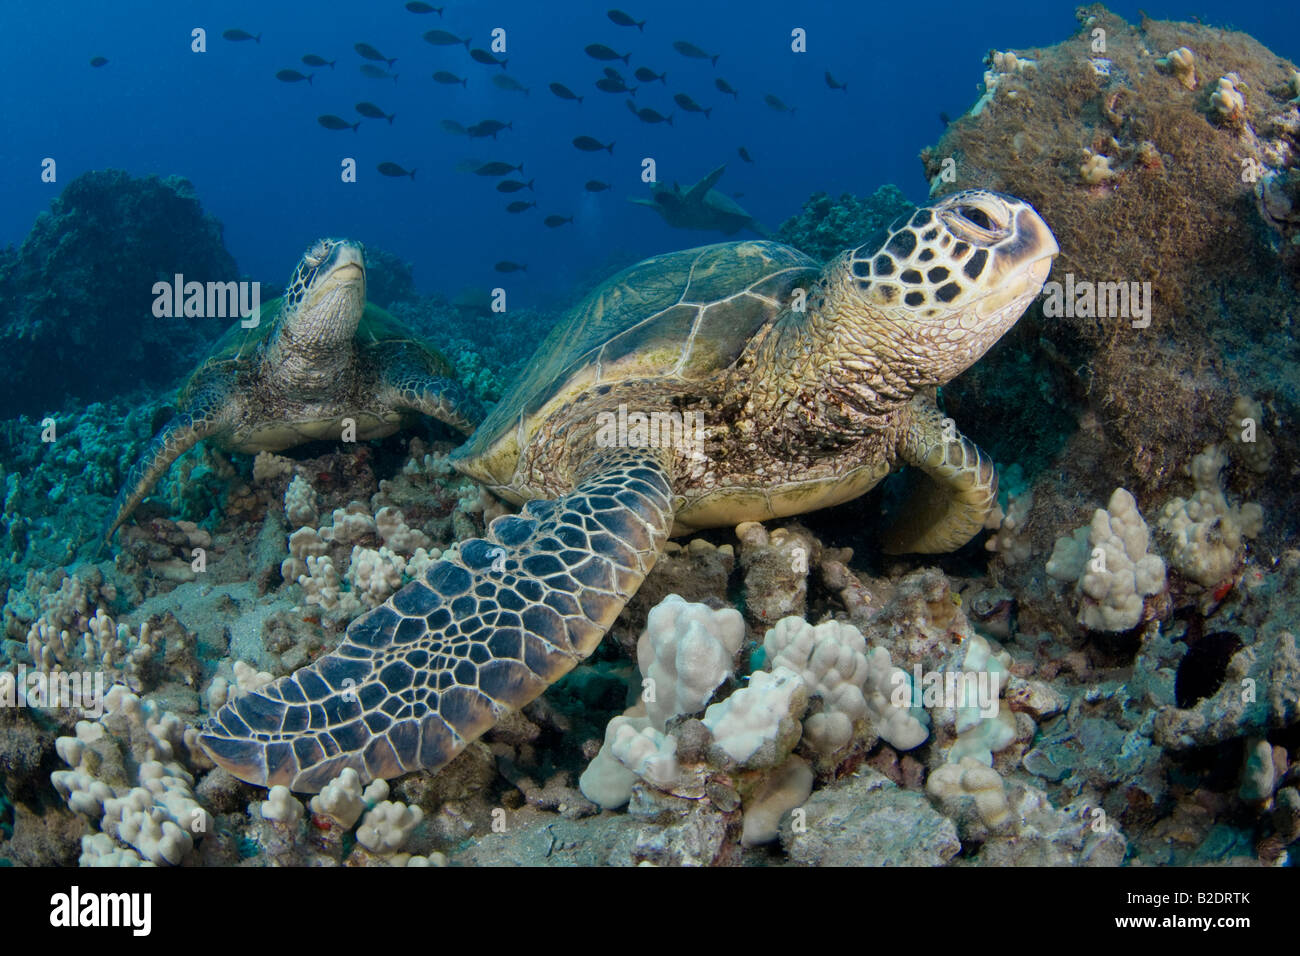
{"x": 202, "y": 416}
{"x": 486, "y": 631}
{"x": 948, "y": 507}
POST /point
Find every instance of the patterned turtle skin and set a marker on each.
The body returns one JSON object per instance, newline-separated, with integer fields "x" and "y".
{"x": 811, "y": 385}
{"x": 317, "y": 358}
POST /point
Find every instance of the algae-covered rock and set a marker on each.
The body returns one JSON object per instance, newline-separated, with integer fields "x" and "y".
{"x": 76, "y": 311}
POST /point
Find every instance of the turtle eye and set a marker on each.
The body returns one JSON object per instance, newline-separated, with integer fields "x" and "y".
{"x": 317, "y": 254}
{"x": 976, "y": 215}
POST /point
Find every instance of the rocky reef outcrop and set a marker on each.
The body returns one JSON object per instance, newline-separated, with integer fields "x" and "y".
{"x": 76, "y": 297}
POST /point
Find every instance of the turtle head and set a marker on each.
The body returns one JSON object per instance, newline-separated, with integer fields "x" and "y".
{"x": 326, "y": 296}
{"x": 933, "y": 292}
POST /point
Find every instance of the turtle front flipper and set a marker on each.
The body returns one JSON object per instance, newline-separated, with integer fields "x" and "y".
{"x": 948, "y": 507}
{"x": 201, "y": 417}
{"x": 409, "y": 383}
{"x": 486, "y": 631}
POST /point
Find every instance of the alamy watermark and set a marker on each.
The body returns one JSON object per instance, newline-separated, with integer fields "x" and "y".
{"x": 981, "y": 690}
{"x": 684, "y": 431}
{"x": 208, "y": 300}
{"x": 54, "y": 689}
{"x": 1085, "y": 299}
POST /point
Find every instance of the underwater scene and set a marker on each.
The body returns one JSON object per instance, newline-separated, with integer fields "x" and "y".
{"x": 681, "y": 434}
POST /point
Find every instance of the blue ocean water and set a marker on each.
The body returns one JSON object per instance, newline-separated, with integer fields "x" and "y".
{"x": 265, "y": 167}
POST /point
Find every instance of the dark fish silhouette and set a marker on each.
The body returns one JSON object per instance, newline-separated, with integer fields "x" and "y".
{"x": 374, "y": 112}
{"x": 554, "y": 221}
{"x": 508, "y": 83}
{"x": 834, "y": 84}
{"x": 564, "y": 93}
{"x": 442, "y": 76}
{"x": 725, "y": 87}
{"x": 623, "y": 20}
{"x": 777, "y": 105}
{"x": 375, "y": 73}
{"x": 392, "y": 169}
{"x": 589, "y": 144}
{"x": 694, "y": 52}
{"x": 690, "y": 106}
{"x": 443, "y": 38}
{"x": 370, "y": 53}
{"x": 647, "y": 115}
{"x": 488, "y": 127}
{"x": 486, "y": 58}
{"x": 647, "y": 75}
{"x": 330, "y": 121}
{"x": 239, "y": 36}
{"x": 497, "y": 169}
{"x": 613, "y": 74}
{"x": 419, "y": 6}
{"x": 505, "y": 265}
{"x": 451, "y": 126}
{"x": 513, "y": 185}
{"x": 944, "y": 118}
{"x": 611, "y": 85}
{"x": 98, "y": 61}
{"x": 596, "y": 186}
{"x": 293, "y": 76}
{"x": 744, "y": 154}
{"x": 520, "y": 205}
{"x": 598, "y": 51}
{"x": 311, "y": 59}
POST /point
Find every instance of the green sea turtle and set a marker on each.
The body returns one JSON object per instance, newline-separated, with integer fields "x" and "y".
{"x": 701, "y": 207}
{"x": 317, "y": 358}
{"x": 812, "y": 384}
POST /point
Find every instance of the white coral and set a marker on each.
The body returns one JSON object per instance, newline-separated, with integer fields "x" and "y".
{"x": 1095, "y": 168}
{"x": 1114, "y": 570}
{"x": 1206, "y": 533}
{"x": 1226, "y": 100}
{"x": 303, "y": 544}
{"x": 323, "y": 586}
{"x": 374, "y": 574}
{"x": 268, "y": 466}
{"x": 387, "y": 826}
{"x": 349, "y": 525}
{"x": 280, "y": 806}
{"x": 341, "y": 799}
{"x": 889, "y": 693}
{"x": 1251, "y": 444}
{"x": 831, "y": 660}
{"x": 955, "y": 783}
{"x": 300, "y": 503}
{"x": 1182, "y": 64}
{"x": 758, "y": 714}
{"x": 1008, "y": 539}
{"x": 103, "y": 644}
{"x": 632, "y": 750}
{"x": 686, "y": 651}
{"x": 158, "y": 817}
{"x": 392, "y": 527}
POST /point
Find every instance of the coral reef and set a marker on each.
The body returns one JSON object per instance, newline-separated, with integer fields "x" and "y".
{"x": 1082, "y": 688}
{"x": 83, "y": 275}
{"x": 826, "y": 227}
{"x": 1148, "y": 177}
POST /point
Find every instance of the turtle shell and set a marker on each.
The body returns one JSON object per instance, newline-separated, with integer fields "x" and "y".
{"x": 674, "y": 318}
{"x": 240, "y": 347}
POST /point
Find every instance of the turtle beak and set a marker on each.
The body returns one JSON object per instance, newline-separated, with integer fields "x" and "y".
{"x": 347, "y": 266}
